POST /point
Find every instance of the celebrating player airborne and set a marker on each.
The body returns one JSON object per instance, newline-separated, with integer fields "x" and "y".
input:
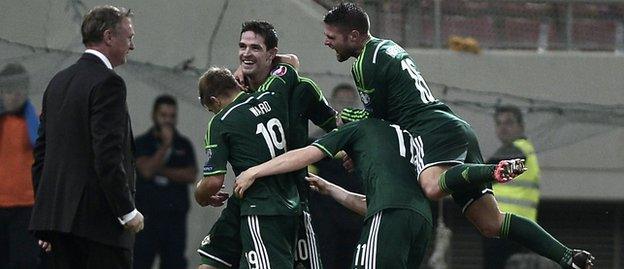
{"x": 391, "y": 88}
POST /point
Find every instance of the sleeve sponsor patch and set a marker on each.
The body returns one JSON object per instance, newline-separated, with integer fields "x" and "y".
{"x": 280, "y": 71}
{"x": 208, "y": 154}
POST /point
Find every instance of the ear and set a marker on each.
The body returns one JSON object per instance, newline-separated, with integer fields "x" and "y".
{"x": 353, "y": 35}
{"x": 107, "y": 36}
{"x": 214, "y": 100}
{"x": 272, "y": 53}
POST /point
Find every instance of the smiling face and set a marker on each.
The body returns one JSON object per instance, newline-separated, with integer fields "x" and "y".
{"x": 338, "y": 40}
{"x": 120, "y": 42}
{"x": 253, "y": 54}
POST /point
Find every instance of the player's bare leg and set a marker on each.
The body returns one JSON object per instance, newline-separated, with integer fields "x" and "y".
{"x": 428, "y": 180}
{"x": 485, "y": 216}
{"x": 490, "y": 222}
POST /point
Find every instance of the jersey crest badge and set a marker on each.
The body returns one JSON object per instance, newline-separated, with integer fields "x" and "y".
{"x": 365, "y": 98}
{"x": 206, "y": 240}
{"x": 279, "y": 71}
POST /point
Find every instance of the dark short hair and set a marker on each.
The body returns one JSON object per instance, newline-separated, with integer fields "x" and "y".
{"x": 347, "y": 87}
{"x": 164, "y": 99}
{"x": 99, "y": 19}
{"x": 348, "y": 16}
{"x": 264, "y": 29}
{"x": 217, "y": 81}
{"x": 514, "y": 110}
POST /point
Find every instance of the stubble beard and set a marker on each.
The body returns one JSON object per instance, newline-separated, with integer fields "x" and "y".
{"x": 341, "y": 57}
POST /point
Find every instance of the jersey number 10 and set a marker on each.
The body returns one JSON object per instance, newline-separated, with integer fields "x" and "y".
{"x": 270, "y": 137}
{"x": 425, "y": 94}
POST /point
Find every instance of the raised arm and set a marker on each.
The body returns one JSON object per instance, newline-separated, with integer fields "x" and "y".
{"x": 287, "y": 162}
{"x": 290, "y": 59}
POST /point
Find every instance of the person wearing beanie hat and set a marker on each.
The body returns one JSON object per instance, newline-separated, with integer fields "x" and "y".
{"x": 18, "y": 125}
{"x": 14, "y": 85}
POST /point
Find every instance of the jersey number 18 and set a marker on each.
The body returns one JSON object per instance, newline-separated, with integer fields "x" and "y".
{"x": 425, "y": 94}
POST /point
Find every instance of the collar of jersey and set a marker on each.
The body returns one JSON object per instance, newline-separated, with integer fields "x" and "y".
{"x": 367, "y": 42}
{"x": 234, "y": 102}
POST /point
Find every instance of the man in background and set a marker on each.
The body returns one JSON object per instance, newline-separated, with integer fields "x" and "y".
{"x": 520, "y": 196}
{"x": 83, "y": 173}
{"x": 18, "y": 132}
{"x": 166, "y": 165}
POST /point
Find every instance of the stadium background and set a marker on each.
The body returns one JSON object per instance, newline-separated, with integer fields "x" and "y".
{"x": 560, "y": 61}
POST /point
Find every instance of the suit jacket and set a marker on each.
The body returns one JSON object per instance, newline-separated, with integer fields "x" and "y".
{"x": 83, "y": 173}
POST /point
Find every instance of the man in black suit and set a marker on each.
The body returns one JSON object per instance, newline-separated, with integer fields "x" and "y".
{"x": 84, "y": 172}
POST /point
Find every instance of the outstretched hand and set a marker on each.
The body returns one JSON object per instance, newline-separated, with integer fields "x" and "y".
{"x": 318, "y": 184}
{"x": 243, "y": 182}
{"x": 347, "y": 162}
{"x": 240, "y": 78}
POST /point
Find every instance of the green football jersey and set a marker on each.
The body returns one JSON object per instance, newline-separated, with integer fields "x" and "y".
{"x": 306, "y": 103}
{"x": 250, "y": 131}
{"x": 391, "y": 88}
{"x": 386, "y": 157}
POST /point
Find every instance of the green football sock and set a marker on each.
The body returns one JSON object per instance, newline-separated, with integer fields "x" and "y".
{"x": 530, "y": 235}
{"x": 463, "y": 175}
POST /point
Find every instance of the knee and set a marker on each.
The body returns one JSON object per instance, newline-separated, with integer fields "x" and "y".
{"x": 431, "y": 189}
{"x": 489, "y": 228}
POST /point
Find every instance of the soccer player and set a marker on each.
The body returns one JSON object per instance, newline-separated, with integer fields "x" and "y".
{"x": 397, "y": 213}
{"x": 306, "y": 103}
{"x": 391, "y": 88}
{"x": 258, "y": 57}
{"x": 246, "y": 130}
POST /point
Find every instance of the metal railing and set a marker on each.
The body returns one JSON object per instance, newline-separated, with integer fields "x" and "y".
{"x": 507, "y": 24}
